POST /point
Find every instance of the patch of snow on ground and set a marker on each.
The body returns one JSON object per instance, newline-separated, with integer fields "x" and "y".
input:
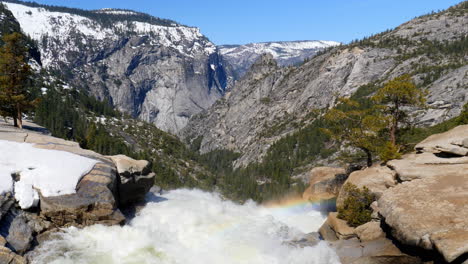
{"x": 51, "y": 172}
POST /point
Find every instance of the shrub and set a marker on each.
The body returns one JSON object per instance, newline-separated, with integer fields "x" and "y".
{"x": 389, "y": 152}
{"x": 356, "y": 207}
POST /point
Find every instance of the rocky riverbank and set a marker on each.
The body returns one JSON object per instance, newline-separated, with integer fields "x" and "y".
{"x": 113, "y": 183}
{"x": 421, "y": 210}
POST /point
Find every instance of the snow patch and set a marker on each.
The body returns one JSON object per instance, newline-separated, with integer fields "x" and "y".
{"x": 51, "y": 172}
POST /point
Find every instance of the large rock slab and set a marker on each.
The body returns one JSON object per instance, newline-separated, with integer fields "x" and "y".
{"x": 93, "y": 203}
{"x": 136, "y": 179}
{"x": 424, "y": 165}
{"x": 20, "y": 235}
{"x": 431, "y": 213}
{"x": 379, "y": 251}
{"x": 324, "y": 183}
{"x": 377, "y": 179}
{"x": 327, "y": 233}
{"x": 341, "y": 228}
{"x": 8, "y": 257}
{"x": 452, "y": 149}
{"x": 127, "y": 166}
{"x": 369, "y": 231}
{"x": 455, "y": 136}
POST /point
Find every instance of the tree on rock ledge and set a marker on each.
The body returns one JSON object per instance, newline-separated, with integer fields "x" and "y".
{"x": 356, "y": 125}
{"x": 15, "y": 97}
{"x": 395, "y": 97}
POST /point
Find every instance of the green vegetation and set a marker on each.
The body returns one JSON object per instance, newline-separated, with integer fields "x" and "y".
{"x": 15, "y": 94}
{"x": 357, "y": 126}
{"x": 71, "y": 115}
{"x": 393, "y": 97}
{"x": 272, "y": 177}
{"x": 356, "y": 207}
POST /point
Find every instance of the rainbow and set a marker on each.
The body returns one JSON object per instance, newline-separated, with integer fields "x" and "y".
{"x": 299, "y": 204}
{"x": 285, "y": 209}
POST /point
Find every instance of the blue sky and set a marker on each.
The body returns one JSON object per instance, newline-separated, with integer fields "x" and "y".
{"x": 245, "y": 21}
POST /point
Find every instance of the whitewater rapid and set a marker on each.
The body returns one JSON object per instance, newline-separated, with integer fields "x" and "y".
{"x": 192, "y": 227}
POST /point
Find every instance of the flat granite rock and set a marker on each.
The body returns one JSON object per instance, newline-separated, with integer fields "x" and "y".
{"x": 324, "y": 183}
{"x": 431, "y": 213}
{"x": 424, "y": 165}
{"x": 369, "y": 231}
{"x": 341, "y": 227}
{"x": 378, "y": 251}
{"x": 430, "y": 144}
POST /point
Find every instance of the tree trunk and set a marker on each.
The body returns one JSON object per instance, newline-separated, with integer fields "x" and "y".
{"x": 394, "y": 128}
{"x": 369, "y": 157}
{"x": 393, "y": 134}
{"x": 19, "y": 117}
{"x": 15, "y": 121}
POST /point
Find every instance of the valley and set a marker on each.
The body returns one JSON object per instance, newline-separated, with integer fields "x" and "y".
{"x": 267, "y": 152}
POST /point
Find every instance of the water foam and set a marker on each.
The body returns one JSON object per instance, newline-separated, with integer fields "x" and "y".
{"x": 191, "y": 226}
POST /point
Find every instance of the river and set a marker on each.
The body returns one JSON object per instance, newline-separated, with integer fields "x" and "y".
{"x": 195, "y": 227}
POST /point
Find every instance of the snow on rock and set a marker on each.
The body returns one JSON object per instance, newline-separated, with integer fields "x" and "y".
{"x": 58, "y": 27}
{"x": 6, "y": 183}
{"x": 113, "y": 11}
{"x": 51, "y": 172}
{"x": 286, "y": 53}
{"x": 279, "y": 50}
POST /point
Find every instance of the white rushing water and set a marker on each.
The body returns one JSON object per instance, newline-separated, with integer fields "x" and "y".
{"x": 191, "y": 227}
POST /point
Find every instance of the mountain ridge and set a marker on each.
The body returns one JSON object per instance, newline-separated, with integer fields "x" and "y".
{"x": 159, "y": 73}
{"x": 262, "y": 109}
{"x": 287, "y": 53}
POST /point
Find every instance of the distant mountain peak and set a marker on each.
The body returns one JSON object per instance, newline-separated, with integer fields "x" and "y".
{"x": 284, "y": 52}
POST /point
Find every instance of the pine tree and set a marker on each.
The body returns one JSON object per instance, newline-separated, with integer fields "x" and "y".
{"x": 15, "y": 98}
{"x": 356, "y": 126}
{"x": 397, "y": 94}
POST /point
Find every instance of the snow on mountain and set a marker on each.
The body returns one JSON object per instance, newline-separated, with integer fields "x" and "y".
{"x": 39, "y": 22}
{"x": 114, "y": 11}
{"x": 151, "y": 68}
{"x": 285, "y": 52}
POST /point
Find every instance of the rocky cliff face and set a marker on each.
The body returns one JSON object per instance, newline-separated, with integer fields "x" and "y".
{"x": 153, "y": 69}
{"x": 270, "y": 102}
{"x": 286, "y": 53}
{"x": 421, "y": 200}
